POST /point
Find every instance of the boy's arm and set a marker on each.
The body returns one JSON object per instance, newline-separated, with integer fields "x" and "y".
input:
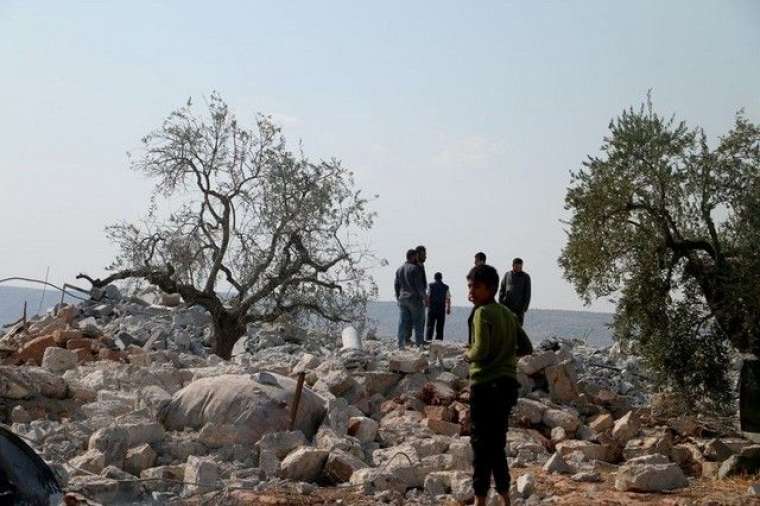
{"x": 448, "y": 302}
{"x": 397, "y": 285}
{"x": 480, "y": 338}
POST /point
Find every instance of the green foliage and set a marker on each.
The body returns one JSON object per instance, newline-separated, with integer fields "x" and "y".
{"x": 669, "y": 227}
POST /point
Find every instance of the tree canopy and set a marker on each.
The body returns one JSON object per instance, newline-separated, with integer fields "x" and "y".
{"x": 669, "y": 227}
{"x": 254, "y": 231}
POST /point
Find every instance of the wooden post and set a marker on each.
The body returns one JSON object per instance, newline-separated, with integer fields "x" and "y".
{"x": 296, "y": 400}
{"x": 23, "y": 317}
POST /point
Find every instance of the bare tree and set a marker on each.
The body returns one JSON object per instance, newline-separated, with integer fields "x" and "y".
{"x": 251, "y": 219}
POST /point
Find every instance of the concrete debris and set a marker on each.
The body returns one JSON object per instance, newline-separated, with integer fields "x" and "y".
{"x": 124, "y": 387}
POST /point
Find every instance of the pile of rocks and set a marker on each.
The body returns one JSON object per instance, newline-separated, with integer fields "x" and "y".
{"x": 124, "y": 400}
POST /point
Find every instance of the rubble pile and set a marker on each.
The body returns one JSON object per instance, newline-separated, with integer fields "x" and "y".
{"x": 123, "y": 399}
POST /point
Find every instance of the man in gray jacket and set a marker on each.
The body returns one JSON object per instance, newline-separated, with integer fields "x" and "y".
{"x": 410, "y": 288}
{"x": 515, "y": 290}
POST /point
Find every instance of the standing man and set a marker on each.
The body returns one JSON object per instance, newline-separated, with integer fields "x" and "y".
{"x": 515, "y": 290}
{"x": 409, "y": 286}
{"x": 480, "y": 259}
{"x": 439, "y": 305}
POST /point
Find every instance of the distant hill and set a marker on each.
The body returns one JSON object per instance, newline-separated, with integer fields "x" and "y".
{"x": 12, "y": 301}
{"x": 539, "y": 324}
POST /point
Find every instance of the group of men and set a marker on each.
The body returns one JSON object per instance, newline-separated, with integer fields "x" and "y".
{"x": 414, "y": 295}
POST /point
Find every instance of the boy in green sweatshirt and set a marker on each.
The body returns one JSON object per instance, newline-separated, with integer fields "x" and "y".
{"x": 493, "y": 385}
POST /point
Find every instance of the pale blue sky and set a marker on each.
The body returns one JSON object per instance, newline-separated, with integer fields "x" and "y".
{"x": 465, "y": 117}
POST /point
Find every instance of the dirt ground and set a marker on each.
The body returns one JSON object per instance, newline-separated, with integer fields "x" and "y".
{"x": 702, "y": 492}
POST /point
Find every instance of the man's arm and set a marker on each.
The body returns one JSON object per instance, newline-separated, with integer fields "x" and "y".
{"x": 448, "y": 301}
{"x": 527, "y": 291}
{"x": 397, "y": 284}
{"x": 503, "y": 290}
{"x": 480, "y": 339}
{"x": 419, "y": 282}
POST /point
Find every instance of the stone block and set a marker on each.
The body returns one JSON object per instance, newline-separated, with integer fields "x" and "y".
{"x": 304, "y": 464}
{"x": 58, "y": 360}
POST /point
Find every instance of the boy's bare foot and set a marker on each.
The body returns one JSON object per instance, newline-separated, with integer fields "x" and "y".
{"x": 505, "y": 499}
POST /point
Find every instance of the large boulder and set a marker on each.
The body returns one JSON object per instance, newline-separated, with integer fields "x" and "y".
{"x": 260, "y": 403}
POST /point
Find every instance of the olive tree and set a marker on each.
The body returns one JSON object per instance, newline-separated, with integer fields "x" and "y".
{"x": 670, "y": 228}
{"x": 254, "y": 230}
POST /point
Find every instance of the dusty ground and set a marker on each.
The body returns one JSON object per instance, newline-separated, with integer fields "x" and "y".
{"x": 701, "y": 492}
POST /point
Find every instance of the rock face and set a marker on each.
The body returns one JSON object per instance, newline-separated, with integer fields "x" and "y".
{"x": 258, "y": 406}
{"x": 650, "y": 474}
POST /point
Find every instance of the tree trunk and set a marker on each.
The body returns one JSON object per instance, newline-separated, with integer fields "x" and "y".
{"x": 228, "y": 328}
{"x": 749, "y": 396}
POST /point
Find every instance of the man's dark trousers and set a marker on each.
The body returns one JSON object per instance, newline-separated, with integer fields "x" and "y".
{"x": 490, "y": 405}
{"x": 436, "y": 318}
{"x": 519, "y": 314}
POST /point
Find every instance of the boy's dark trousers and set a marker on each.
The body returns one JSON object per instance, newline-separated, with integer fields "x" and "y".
{"x": 436, "y": 318}
{"x": 490, "y": 405}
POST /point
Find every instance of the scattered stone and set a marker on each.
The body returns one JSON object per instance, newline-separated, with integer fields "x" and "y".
{"x": 407, "y": 362}
{"x": 58, "y": 360}
{"x": 587, "y": 477}
{"x": 362, "y": 428}
{"x": 559, "y": 418}
{"x": 281, "y": 443}
{"x": 649, "y": 474}
{"x": 442, "y": 427}
{"x": 558, "y": 435}
{"x": 747, "y": 462}
{"x": 626, "y": 427}
{"x": 20, "y": 415}
{"x": 526, "y": 485}
{"x": 202, "y": 473}
{"x": 139, "y": 459}
{"x": 716, "y": 451}
{"x": 602, "y": 423}
{"x": 556, "y": 464}
{"x": 531, "y": 364}
{"x": 562, "y": 381}
{"x": 340, "y": 466}
{"x": 92, "y": 460}
{"x": 529, "y": 410}
{"x": 304, "y": 464}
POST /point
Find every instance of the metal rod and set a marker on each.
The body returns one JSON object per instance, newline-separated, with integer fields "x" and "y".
{"x": 296, "y": 400}
{"x": 23, "y": 317}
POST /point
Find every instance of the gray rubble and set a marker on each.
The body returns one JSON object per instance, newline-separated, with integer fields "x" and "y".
{"x": 118, "y": 390}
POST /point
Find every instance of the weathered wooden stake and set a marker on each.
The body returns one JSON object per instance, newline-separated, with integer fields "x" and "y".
{"x": 296, "y": 400}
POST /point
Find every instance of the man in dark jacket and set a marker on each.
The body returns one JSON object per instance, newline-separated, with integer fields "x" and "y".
{"x": 515, "y": 290}
{"x": 409, "y": 287}
{"x": 439, "y": 306}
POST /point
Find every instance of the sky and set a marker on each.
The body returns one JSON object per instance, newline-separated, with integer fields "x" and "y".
{"x": 465, "y": 118}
